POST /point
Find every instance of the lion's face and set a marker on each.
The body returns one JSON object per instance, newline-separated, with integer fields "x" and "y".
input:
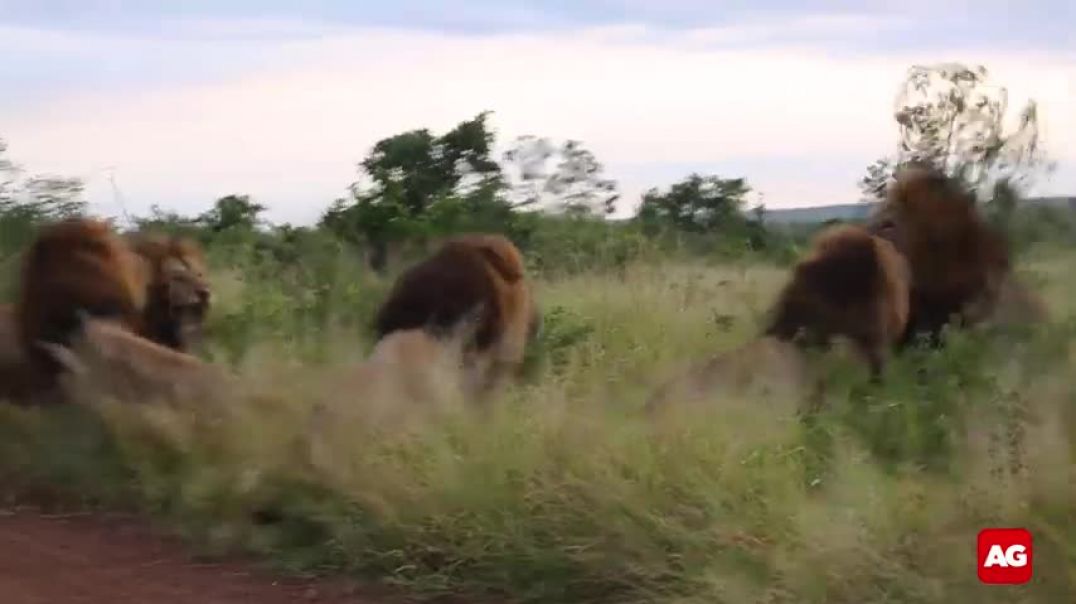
{"x": 183, "y": 297}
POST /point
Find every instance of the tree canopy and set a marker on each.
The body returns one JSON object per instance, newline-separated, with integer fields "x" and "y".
{"x": 575, "y": 185}
{"x": 697, "y": 204}
{"x": 232, "y": 212}
{"x": 950, "y": 116}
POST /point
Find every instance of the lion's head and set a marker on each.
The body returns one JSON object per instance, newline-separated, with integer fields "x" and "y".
{"x": 179, "y": 294}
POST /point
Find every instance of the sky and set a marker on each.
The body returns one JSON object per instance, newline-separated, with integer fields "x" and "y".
{"x": 177, "y": 104}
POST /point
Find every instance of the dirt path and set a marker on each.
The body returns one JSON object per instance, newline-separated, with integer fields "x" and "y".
{"x": 118, "y": 560}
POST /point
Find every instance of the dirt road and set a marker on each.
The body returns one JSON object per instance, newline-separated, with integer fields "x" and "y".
{"x": 118, "y": 560}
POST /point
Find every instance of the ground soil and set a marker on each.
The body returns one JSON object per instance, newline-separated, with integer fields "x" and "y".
{"x": 116, "y": 559}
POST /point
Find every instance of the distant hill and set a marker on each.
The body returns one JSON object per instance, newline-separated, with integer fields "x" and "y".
{"x": 816, "y": 214}
{"x": 859, "y": 211}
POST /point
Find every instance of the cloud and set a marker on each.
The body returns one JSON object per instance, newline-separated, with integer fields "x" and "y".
{"x": 769, "y": 29}
{"x": 800, "y": 122}
{"x": 1042, "y": 24}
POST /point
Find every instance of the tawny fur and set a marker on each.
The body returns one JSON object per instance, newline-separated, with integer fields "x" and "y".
{"x": 425, "y": 367}
{"x": 764, "y": 368}
{"x": 75, "y": 267}
{"x": 169, "y": 270}
{"x": 472, "y": 276}
{"x": 178, "y": 293}
{"x": 958, "y": 261}
{"x": 411, "y": 375}
{"x": 408, "y": 347}
{"x": 851, "y": 284}
{"x": 106, "y": 361}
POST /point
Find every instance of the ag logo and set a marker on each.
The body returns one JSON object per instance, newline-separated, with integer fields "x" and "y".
{"x": 1004, "y": 556}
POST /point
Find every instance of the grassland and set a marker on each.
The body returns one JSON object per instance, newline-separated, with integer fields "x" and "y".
{"x": 561, "y": 491}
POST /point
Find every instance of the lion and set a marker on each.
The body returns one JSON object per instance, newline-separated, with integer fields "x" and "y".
{"x": 960, "y": 265}
{"x": 410, "y": 375}
{"x": 423, "y": 367}
{"x": 851, "y": 284}
{"x": 104, "y": 360}
{"x": 479, "y": 277}
{"x": 75, "y": 266}
{"x": 763, "y": 368}
{"x": 172, "y": 295}
{"x": 178, "y": 294}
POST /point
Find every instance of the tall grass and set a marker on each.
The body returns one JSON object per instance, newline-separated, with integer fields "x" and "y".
{"x": 561, "y": 491}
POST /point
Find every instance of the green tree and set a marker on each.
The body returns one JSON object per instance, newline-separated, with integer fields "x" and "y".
{"x": 160, "y": 219}
{"x": 370, "y": 220}
{"x": 697, "y": 204}
{"x": 233, "y": 212}
{"x": 575, "y": 186}
{"x": 29, "y": 201}
{"x": 37, "y": 198}
{"x": 876, "y": 181}
{"x": 416, "y": 168}
{"x": 950, "y": 116}
{"x": 421, "y": 184}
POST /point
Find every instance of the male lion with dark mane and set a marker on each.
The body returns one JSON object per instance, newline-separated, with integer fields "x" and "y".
{"x": 850, "y": 285}
{"x": 75, "y": 267}
{"x": 961, "y": 267}
{"x": 477, "y": 276}
{"x": 151, "y": 287}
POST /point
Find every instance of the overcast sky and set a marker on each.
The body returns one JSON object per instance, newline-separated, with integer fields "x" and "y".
{"x": 186, "y": 102}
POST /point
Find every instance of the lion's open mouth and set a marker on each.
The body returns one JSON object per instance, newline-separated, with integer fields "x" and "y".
{"x": 190, "y": 310}
{"x": 189, "y": 320}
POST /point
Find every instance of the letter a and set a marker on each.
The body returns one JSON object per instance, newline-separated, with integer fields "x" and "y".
{"x": 996, "y": 557}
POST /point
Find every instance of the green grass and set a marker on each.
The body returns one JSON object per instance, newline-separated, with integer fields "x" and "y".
{"x": 562, "y": 491}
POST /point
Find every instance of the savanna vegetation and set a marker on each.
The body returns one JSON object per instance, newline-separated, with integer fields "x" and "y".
{"x": 560, "y": 490}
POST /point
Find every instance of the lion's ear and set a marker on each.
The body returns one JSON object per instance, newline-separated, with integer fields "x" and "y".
{"x": 507, "y": 269}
